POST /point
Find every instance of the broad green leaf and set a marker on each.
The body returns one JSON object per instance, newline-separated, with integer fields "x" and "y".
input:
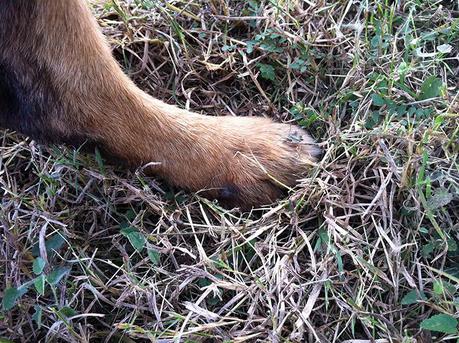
{"x": 37, "y": 316}
{"x": 271, "y": 46}
{"x": 53, "y": 243}
{"x": 431, "y": 88}
{"x": 38, "y": 265}
{"x": 428, "y": 249}
{"x": 39, "y": 284}
{"x": 443, "y": 323}
{"x": 441, "y": 287}
{"x": 250, "y": 45}
{"x": 378, "y": 100}
{"x": 11, "y": 296}
{"x": 438, "y": 287}
{"x": 300, "y": 64}
{"x": 204, "y": 282}
{"x": 135, "y": 237}
{"x": 375, "y": 41}
{"x": 412, "y": 297}
{"x": 226, "y": 48}
{"x": 155, "y": 256}
{"x": 374, "y": 117}
{"x": 57, "y": 274}
{"x": 267, "y": 71}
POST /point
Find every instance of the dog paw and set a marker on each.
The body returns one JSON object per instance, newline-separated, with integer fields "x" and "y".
{"x": 261, "y": 159}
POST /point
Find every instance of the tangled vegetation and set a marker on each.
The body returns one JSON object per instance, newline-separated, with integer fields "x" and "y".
{"x": 364, "y": 248}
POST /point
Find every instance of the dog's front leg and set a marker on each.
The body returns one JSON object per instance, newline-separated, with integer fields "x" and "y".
{"x": 59, "y": 83}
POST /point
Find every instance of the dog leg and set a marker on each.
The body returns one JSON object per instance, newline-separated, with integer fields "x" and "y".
{"x": 59, "y": 83}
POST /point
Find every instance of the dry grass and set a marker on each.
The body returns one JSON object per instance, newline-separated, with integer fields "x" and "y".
{"x": 365, "y": 248}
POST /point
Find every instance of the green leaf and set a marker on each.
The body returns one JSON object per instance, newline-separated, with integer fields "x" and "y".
{"x": 428, "y": 249}
{"x": 67, "y": 312}
{"x": 300, "y": 64}
{"x": 38, "y": 265}
{"x": 452, "y": 245}
{"x": 443, "y": 288}
{"x": 4, "y": 340}
{"x": 443, "y": 323}
{"x": 438, "y": 287}
{"x": 412, "y": 297}
{"x": 431, "y": 88}
{"x": 374, "y": 117}
{"x": 378, "y": 100}
{"x": 135, "y": 237}
{"x": 271, "y": 46}
{"x": 54, "y": 243}
{"x": 375, "y": 41}
{"x": 204, "y": 282}
{"x": 250, "y": 45}
{"x": 424, "y": 230}
{"x": 267, "y": 71}
{"x": 11, "y": 296}
{"x": 155, "y": 256}
{"x": 39, "y": 284}
{"x": 403, "y": 69}
{"x": 37, "y": 316}
{"x": 226, "y": 48}
{"x": 57, "y": 274}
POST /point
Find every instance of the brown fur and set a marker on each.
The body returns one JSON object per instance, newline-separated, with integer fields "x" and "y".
{"x": 235, "y": 159}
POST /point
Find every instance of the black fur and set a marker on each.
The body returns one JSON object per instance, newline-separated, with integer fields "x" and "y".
{"x": 29, "y": 101}
{"x": 26, "y": 103}
{"x": 24, "y": 95}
